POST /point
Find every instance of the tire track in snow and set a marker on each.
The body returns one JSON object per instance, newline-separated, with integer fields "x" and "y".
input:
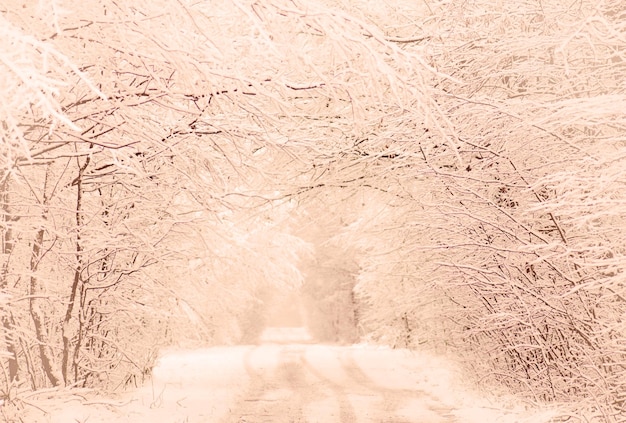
{"x": 254, "y": 403}
{"x": 395, "y": 398}
{"x": 280, "y": 390}
{"x": 346, "y": 410}
{"x": 302, "y": 383}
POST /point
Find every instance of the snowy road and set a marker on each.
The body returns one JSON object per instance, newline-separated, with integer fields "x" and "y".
{"x": 302, "y": 383}
{"x": 286, "y": 379}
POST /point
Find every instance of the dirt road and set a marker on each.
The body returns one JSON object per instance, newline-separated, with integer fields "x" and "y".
{"x": 288, "y": 380}
{"x": 305, "y": 383}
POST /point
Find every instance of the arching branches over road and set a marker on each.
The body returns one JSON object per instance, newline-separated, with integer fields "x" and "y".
{"x": 160, "y": 165}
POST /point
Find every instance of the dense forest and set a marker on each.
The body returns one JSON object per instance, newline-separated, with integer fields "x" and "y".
{"x": 444, "y": 175}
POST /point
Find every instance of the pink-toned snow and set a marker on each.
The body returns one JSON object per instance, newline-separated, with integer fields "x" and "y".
{"x": 288, "y": 379}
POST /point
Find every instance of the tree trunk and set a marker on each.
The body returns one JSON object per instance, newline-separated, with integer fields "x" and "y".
{"x": 7, "y": 248}
{"x": 76, "y": 283}
{"x": 36, "y": 290}
{"x": 12, "y": 364}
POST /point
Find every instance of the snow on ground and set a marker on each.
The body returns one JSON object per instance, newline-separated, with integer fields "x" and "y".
{"x": 289, "y": 379}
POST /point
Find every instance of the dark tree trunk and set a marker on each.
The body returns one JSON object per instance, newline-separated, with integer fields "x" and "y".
{"x": 37, "y": 314}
